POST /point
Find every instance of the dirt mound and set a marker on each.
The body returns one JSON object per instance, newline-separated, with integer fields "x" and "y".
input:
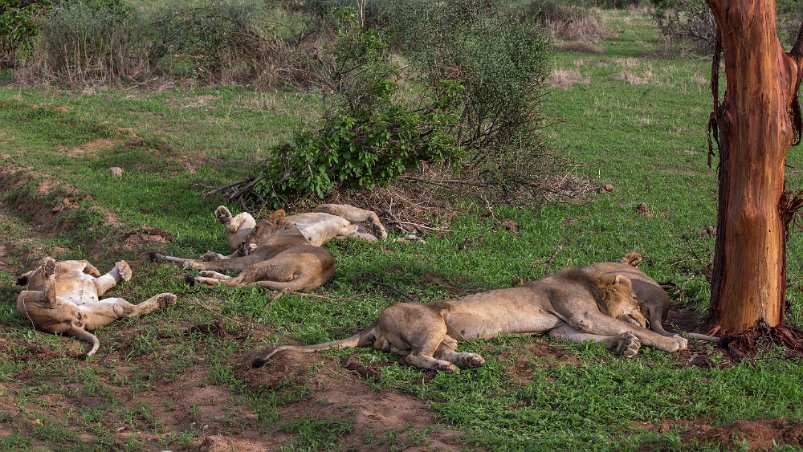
{"x": 46, "y": 203}
{"x": 220, "y": 443}
{"x": 143, "y": 237}
{"x": 760, "y": 434}
{"x": 337, "y": 394}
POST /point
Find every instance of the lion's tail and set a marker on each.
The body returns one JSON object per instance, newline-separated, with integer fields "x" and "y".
{"x": 364, "y": 337}
{"x": 86, "y": 336}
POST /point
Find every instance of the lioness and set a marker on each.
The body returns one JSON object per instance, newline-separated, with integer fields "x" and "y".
{"x": 61, "y": 298}
{"x": 324, "y": 223}
{"x": 568, "y": 304}
{"x": 284, "y": 260}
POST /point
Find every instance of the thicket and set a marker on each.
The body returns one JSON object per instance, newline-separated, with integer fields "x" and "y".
{"x": 689, "y": 23}
{"x": 80, "y": 43}
{"x": 452, "y": 82}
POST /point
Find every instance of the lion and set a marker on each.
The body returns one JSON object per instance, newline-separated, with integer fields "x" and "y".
{"x": 650, "y": 295}
{"x": 324, "y": 223}
{"x": 283, "y": 260}
{"x": 568, "y": 305}
{"x": 59, "y": 297}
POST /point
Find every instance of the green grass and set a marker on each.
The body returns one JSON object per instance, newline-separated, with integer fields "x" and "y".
{"x": 146, "y": 387}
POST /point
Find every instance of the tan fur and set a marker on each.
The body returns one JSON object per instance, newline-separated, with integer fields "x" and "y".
{"x": 326, "y": 222}
{"x": 63, "y": 298}
{"x": 284, "y": 260}
{"x": 566, "y": 304}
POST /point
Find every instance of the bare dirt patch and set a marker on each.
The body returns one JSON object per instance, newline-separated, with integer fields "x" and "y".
{"x": 335, "y": 394}
{"x": 91, "y": 148}
{"x": 144, "y": 236}
{"x": 41, "y": 207}
{"x": 759, "y": 434}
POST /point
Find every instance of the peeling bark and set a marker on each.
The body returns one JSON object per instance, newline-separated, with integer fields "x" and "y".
{"x": 757, "y": 123}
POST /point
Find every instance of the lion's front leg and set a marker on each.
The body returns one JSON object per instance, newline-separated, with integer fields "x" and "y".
{"x": 447, "y": 351}
{"x": 625, "y": 344}
{"x": 600, "y": 324}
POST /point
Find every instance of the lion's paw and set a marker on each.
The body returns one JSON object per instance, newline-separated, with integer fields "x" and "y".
{"x": 223, "y": 214}
{"x": 166, "y": 299}
{"x": 124, "y": 269}
{"x": 628, "y": 345}
{"x": 472, "y": 360}
{"x": 680, "y": 343}
{"x": 48, "y": 266}
{"x": 92, "y": 270}
{"x": 210, "y": 256}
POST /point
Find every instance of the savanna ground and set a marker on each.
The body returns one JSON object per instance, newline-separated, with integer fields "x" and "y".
{"x": 631, "y": 115}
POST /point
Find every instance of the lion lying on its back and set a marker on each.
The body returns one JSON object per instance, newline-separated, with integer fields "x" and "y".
{"x": 585, "y": 304}
{"x": 64, "y": 298}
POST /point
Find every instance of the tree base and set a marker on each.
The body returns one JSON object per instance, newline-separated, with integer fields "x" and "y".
{"x": 762, "y": 339}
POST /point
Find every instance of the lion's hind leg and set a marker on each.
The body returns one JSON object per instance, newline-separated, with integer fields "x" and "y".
{"x": 120, "y": 272}
{"x": 104, "y": 312}
{"x": 625, "y": 344}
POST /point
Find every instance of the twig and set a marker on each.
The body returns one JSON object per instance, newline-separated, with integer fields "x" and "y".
{"x": 551, "y": 258}
{"x": 225, "y": 187}
{"x": 489, "y": 208}
{"x": 419, "y": 226}
{"x": 396, "y": 290}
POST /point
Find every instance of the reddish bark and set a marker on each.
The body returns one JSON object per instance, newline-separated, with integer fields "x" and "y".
{"x": 757, "y": 122}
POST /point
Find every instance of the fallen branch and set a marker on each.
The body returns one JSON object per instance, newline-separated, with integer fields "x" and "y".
{"x": 551, "y": 258}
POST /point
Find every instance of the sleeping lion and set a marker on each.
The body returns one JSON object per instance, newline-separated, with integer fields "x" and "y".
{"x": 597, "y": 303}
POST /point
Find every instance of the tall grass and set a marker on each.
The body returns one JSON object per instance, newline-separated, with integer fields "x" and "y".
{"x": 227, "y": 41}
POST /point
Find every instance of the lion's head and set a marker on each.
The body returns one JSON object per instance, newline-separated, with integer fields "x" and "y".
{"x": 618, "y": 300}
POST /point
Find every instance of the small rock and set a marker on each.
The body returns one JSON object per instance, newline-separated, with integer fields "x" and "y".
{"x": 116, "y": 171}
{"x": 607, "y": 188}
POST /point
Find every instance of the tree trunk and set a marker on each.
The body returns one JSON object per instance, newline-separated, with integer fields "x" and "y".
{"x": 757, "y": 125}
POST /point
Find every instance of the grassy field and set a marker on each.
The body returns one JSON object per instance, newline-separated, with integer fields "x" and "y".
{"x": 179, "y": 378}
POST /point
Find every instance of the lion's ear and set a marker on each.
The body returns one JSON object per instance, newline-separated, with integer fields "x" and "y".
{"x": 623, "y": 280}
{"x": 277, "y": 217}
{"x": 23, "y": 280}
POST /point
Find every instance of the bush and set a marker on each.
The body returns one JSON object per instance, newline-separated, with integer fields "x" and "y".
{"x": 688, "y": 21}
{"x": 691, "y": 21}
{"x": 563, "y": 20}
{"x": 501, "y": 62}
{"x": 18, "y": 25}
{"x": 215, "y": 42}
{"x": 369, "y": 136}
{"x": 103, "y": 42}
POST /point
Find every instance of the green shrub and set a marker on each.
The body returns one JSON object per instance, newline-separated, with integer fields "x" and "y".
{"x": 213, "y": 41}
{"x": 501, "y": 61}
{"x": 369, "y": 136}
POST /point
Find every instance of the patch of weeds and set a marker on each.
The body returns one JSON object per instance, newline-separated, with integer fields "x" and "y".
{"x": 314, "y": 433}
{"x": 15, "y": 441}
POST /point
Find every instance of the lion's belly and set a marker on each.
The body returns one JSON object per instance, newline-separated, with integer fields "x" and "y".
{"x": 76, "y": 288}
{"x": 489, "y": 314}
